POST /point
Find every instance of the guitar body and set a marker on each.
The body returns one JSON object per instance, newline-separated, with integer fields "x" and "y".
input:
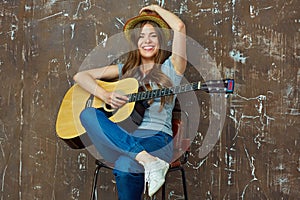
{"x": 76, "y": 99}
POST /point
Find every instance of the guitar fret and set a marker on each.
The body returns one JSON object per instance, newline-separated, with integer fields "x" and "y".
{"x": 150, "y": 94}
{"x": 182, "y": 88}
{"x": 167, "y": 91}
{"x": 158, "y": 92}
{"x": 143, "y": 96}
{"x": 177, "y": 89}
{"x": 187, "y": 87}
{"x": 147, "y": 94}
{"x": 133, "y": 97}
{"x": 154, "y": 93}
{"x": 162, "y": 92}
{"x": 129, "y": 97}
{"x": 138, "y": 97}
{"x": 171, "y": 90}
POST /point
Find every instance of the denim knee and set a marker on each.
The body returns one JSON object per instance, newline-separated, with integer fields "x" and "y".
{"x": 128, "y": 165}
{"x": 88, "y": 114}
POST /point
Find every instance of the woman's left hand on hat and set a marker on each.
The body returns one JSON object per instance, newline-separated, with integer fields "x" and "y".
{"x": 151, "y": 7}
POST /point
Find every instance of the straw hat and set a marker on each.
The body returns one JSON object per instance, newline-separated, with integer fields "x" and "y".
{"x": 146, "y": 16}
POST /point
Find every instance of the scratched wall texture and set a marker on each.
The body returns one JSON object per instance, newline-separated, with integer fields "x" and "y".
{"x": 43, "y": 43}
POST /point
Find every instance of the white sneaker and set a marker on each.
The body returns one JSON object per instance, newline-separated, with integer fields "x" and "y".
{"x": 155, "y": 173}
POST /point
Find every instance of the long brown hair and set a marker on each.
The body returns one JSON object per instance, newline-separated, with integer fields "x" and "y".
{"x": 133, "y": 62}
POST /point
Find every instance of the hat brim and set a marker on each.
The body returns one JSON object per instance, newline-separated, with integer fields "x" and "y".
{"x": 131, "y": 23}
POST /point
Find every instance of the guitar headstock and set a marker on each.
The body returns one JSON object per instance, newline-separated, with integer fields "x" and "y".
{"x": 219, "y": 86}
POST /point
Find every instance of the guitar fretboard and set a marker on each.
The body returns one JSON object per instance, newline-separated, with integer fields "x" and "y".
{"x": 150, "y": 94}
{"x": 213, "y": 86}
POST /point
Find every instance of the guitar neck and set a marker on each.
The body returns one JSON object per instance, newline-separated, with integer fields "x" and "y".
{"x": 213, "y": 86}
{"x": 151, "y": 94}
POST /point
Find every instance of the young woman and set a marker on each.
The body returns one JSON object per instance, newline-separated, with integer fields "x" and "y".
{"x": 140, "y": 158}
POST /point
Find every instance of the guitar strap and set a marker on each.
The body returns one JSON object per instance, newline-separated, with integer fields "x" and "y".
{"x": 89, "y": 102}
{"x": 138, "y": 112}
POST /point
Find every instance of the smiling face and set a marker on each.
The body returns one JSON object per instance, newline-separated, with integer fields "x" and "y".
{"x": 148, "y": 43}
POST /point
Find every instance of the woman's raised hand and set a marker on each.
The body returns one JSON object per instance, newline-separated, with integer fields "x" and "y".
{"x": 151, "y": 7}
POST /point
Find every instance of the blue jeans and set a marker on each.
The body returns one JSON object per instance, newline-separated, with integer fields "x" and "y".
{"x": 118, "y": 146}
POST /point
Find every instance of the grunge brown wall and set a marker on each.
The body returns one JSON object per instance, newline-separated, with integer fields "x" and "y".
{"x": 44, "y": 42}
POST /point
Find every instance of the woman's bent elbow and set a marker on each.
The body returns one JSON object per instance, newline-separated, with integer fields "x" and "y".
{"x": 181, "y": 27}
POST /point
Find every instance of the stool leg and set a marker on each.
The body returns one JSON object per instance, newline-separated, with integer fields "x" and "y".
{"x": 163, "y": 192}
{"x": 95, "y": 180}
{"x": 184, "y": 183}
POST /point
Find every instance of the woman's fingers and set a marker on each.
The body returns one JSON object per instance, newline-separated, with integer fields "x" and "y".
{"x": 118, "y": 100}
{"x": 151, "y": 7}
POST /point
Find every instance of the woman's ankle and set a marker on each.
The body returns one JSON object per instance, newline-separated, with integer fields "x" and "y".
{"x": 144, "y": 158}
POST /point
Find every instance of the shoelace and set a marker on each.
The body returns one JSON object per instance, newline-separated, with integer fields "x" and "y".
{"x": 147, "y": 179}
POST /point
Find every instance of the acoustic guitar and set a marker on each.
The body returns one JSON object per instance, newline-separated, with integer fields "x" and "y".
{"x": 76, "y": 99}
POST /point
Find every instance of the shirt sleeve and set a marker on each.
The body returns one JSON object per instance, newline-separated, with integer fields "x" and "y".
{"x": 120, "y": 66}
{"x": 168, "y": 69}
